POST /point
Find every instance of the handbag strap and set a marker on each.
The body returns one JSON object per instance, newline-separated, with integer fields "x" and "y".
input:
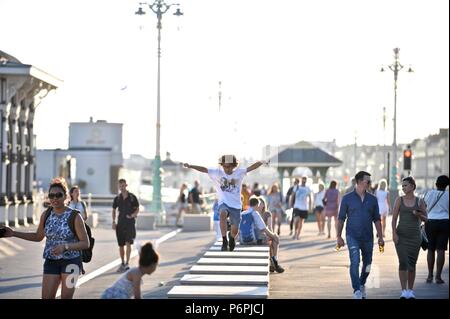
{"x": 437, "y": 200}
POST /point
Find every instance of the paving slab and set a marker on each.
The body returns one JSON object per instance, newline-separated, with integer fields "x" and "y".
{"x": 235, "y": 254}
{"x": 249, "y": 292}
{"x": 226, "y": 280}
{"x": 235, "y": 270}
{"x": 243, "y": 248}
{"x": 234, "y": 261}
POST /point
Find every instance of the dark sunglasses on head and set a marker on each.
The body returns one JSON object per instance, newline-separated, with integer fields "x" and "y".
{"x": 55, "y": 195}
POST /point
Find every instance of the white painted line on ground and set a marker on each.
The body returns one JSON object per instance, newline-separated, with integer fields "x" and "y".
{"x": 12, "y": 244}
{"x": 118, "y": 261}
{"x": 5, "y": 250}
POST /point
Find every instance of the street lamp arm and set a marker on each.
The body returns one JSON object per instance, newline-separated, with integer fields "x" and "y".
{"x": 160, "y": 7}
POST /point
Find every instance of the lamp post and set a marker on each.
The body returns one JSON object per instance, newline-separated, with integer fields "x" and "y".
{"x": 395, "y": 67}
{"x": 159, "y": 7}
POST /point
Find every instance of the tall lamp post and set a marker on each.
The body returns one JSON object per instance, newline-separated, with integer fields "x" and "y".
{"x": 159, "y": 7}
{"x": 393, "y": 185}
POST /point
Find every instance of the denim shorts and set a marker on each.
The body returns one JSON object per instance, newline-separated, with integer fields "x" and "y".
{"x": 233, "y": 213}
{"x": 60, "y": 266}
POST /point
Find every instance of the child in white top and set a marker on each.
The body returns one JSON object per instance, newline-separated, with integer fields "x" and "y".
{"x": 129, "y": 283}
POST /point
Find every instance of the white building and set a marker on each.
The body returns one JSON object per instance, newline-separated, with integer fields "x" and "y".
{"x": 92, "y": 161}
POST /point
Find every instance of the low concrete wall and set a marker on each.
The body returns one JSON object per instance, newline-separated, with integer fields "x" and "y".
{"x": 92, "y": 220}
{"x": 197, "y": 222}
{"x": 146, "y": 221}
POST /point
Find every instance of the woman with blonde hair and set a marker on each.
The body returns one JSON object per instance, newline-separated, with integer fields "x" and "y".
{"x": 383, "y": 203}
{"x": 275, "y": 205}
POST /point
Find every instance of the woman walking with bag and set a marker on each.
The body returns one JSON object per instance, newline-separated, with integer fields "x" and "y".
{"x": 62, "y": 246}
{"x": 407, "y": 236}
{"x": 437, "y": 227}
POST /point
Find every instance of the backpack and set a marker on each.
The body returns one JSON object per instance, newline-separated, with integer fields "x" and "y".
{"x": 246, "y": 228}
{"x": 86, "y": 254}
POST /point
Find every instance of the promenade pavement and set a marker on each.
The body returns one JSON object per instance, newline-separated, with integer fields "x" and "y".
{"x": 313, "y": 269}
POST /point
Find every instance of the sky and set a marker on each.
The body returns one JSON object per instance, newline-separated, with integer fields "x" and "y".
{"x": 290, "y": 71}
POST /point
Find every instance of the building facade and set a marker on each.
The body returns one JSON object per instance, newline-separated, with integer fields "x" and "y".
{"x": 22, "y": 88}
{"x": 92, "y": 161}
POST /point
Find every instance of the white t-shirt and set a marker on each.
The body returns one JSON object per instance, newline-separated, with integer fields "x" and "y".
{"x": 382, "y": 201}
{"x": 301, "y": 197}
{"x": 228, "y": 187}
{"x": 318, "y": 197}
{"x": 440, "y": 210}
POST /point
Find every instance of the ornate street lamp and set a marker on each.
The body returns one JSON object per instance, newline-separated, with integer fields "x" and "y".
{"x": 393, "y": 185}
{"x": 159, "y": 7}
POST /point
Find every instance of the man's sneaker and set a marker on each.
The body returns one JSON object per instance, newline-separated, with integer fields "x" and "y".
{"x": 410, "y": 294}
{"x": 271, "y": 268}
{"x": 363, "y": 292}
{"x": 404, "y": 294}
{"x": 357, "y": 294}
{"x": 121, "y": 268}
{"x": 224, "y": 246}
{"x": 231, "y": 242}
{"x": 279, "y": 269}
{"x": 126, "y": 267}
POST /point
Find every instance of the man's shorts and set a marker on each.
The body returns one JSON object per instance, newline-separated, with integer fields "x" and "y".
{"x": 233, "y": 213}
{"x": 300, "y": 213}
{"x": 125, "y": 233}
{"x": 62, "y": 266}
{"x": 437, "y": 233}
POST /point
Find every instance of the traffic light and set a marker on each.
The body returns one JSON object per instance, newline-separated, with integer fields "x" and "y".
{"x": 407, "y": 154}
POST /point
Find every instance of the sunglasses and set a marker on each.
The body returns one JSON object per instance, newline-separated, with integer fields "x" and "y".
{"x": 55, "y": 195}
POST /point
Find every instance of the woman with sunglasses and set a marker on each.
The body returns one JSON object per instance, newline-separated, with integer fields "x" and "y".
{"x": 62, "y": 247}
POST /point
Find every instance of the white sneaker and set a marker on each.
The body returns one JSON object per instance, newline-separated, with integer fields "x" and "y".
{"x": 357, "y": 294}
{"x": 410, "y": 294}
{"x": 404, "y": 294}
{"x": 363, "y": 292}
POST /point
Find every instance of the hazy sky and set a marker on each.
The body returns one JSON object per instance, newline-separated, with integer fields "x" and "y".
{"x": 290, "y": 71}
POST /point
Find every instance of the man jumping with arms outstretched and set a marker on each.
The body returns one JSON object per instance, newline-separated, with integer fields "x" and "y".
{"x": 227, "y": 182}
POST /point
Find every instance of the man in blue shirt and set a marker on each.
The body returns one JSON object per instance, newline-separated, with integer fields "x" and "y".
{"x": 360, "y": 208}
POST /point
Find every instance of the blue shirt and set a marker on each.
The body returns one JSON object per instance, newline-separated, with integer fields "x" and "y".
{"x": 360, "y": 215}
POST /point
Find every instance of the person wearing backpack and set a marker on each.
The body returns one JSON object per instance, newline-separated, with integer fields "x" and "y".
{"x": 254, "y": 231}
{"x": 63, "y": 245}
{"x": 77, "y": 203}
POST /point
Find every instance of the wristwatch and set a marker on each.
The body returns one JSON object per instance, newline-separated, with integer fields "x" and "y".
{"x": 66, "y": 246}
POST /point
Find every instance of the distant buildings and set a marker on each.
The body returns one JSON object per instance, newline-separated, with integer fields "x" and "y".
{"x": 429, "y": 159}
{"x": 93, "y": 159}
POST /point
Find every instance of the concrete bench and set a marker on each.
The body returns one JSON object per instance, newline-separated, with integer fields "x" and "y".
{"x": 235, "y": 254}
{"x": 184, "y": 291}
{"x": 146, "y": 221}
{"x": 253, "y": 248}
{"x": 233, "y": 261}
{"x": 92, "y": 220}
{"x": 197, "y": 222}
{"x": 233, "y": 270}
{"x": 225, "y": 280}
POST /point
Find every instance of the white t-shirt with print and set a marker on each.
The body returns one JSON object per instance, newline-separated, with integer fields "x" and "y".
{"x": 301, "y": 197}
{"x": 228, "y": 187}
